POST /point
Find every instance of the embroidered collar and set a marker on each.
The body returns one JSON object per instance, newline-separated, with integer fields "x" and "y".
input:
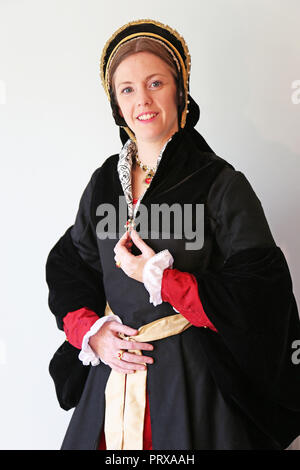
{"x": 126, "y": 156}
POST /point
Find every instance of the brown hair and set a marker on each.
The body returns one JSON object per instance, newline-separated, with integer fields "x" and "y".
{"x": 141, "y": 45}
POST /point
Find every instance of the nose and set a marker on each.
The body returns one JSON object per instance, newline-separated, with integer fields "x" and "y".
{"x": 143, "y": 96}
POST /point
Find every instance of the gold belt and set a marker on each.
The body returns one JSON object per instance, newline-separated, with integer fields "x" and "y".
{"x": 125, "y": 394}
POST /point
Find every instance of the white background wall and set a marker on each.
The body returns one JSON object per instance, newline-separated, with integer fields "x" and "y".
{"x": 56, "y": 128}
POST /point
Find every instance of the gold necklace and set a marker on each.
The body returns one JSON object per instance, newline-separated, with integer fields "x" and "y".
{"x": 150, "y": 170}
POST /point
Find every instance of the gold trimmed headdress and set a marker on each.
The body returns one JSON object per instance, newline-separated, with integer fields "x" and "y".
{"x": 157, "y": 31}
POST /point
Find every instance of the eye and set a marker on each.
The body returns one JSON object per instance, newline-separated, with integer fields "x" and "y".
{"x": 155, "y": 84}
{"x": 126, "y": 90}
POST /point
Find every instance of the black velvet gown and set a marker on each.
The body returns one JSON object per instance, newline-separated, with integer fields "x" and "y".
{"x": 234, "y": 389}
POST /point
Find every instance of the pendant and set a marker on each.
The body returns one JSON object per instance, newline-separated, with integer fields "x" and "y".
{"x": 129, "y": 225}
{"x": 148, "y": 179}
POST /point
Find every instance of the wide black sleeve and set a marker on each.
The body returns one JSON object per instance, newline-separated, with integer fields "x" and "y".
{"x": 249, "y": 299}
{"x": 73, "y": 266}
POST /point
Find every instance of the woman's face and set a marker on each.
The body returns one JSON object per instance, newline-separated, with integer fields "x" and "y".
{"x": 146, "y": 93}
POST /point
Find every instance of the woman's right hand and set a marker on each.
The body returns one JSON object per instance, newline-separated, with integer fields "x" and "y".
{"x": 106, "y": 343}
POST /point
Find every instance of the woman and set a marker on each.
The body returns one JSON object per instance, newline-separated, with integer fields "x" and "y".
{"x": 188, "y": 343}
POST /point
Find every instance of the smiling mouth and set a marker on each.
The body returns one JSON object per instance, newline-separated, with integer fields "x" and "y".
{"x": 147, "y": 117}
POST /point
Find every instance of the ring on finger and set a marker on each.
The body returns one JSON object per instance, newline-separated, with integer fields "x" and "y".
{"x": 120, "y": 354}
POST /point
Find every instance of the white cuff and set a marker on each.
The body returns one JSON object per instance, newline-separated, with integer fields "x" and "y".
{"x": 87, "y": 355}
{"x": 153, "y": 273}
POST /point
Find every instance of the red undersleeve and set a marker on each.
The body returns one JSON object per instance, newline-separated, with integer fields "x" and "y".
{"x": 180, "y": 289}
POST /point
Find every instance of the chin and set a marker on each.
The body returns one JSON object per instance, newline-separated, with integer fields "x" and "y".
{"x": 149, "y": 137}
{"x": 152, "y": 135}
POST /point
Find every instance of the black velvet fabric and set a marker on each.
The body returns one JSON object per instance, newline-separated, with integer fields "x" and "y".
{"x": 69, "y": 375}
{"x": 73, "y": 283}
{"x": 234, "y": 389}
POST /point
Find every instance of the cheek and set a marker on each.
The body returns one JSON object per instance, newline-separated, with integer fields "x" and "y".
{"x": 171, "y": 103}
{"x": 171, "y": 97}
{"x": 176, "y": 98}
{"x": 124, "y": 110}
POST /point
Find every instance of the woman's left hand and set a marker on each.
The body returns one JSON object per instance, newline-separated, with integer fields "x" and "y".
{"x": 132, "y": 265}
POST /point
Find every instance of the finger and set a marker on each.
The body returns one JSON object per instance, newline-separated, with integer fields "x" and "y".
{"x": 124, "y": 237}
{"x": 123, "y": 344}
{"x": 122, "y": 371}
{"x": 131, "y": 357}
{"x": 128, "y": 365}
{"x": 119, "y": 328}
{"x": 139, "y": 242}
{"x": 123, "y": 253}
{"x": 119, "y": 369}
{"x": 122, "y": 242}
{"x": 118, "y": 259}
